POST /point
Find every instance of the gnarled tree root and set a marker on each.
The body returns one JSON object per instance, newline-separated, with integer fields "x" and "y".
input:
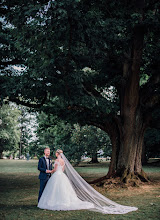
{"x": 133, "y": 179}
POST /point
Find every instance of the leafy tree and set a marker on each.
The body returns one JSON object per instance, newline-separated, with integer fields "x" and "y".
{"x": 9, "y": 130}
{"x": 152, "y": 141}
{"x": 152, "y": 137}
{"x": 90, "y": 139}
{"x": 42, "y": 133}
{"x": 28, "y": 125}
{"x": 87, "y": 60}
{"x": 73, "y": 139}
{"x": 36, "y": 149}
{"x": 55, "y": 133}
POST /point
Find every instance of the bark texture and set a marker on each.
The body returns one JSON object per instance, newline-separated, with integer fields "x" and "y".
{"x": 127, "y": 137}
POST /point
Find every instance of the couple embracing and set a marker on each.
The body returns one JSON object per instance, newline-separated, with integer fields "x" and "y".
{"x": 62, "y": 188}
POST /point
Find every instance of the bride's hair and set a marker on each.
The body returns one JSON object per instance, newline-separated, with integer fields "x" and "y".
{"x": 59, "y": 151}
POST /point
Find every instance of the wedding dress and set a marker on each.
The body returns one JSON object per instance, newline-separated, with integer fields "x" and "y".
{"x": 69, "y": 191}
{"x": 60, "y": 195}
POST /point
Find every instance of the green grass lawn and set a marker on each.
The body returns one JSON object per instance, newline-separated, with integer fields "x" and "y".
{"x": 19, "y": 186}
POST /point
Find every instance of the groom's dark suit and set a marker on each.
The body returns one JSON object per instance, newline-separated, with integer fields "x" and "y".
{"x": 43, "y": 176}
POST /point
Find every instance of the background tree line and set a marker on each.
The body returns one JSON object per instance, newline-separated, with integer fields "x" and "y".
{"x": 23, "y": 132}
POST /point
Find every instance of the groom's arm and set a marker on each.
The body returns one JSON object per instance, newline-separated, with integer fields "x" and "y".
{"x": 40, "y": 168}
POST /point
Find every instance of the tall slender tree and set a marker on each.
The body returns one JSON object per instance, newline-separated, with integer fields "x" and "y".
{"x": 9, "y": 130}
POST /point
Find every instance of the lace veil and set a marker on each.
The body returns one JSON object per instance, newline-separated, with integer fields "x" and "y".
{"x": 85, "y": 192}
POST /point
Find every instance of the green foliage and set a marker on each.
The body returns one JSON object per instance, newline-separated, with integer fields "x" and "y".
{"x": 75, "y": 140}
{"x": 9, "y": 129}
{"x": 152, "y": 135}
{"x": 27, "y": 124}
{"x": 73, "y": 54}
{"x": 36, "y": 149}
{"x": 90, "y": 139}
{"x": 152, "y": 141}
{"x": 58, "y": 41}
{"x": 54, "y": 133}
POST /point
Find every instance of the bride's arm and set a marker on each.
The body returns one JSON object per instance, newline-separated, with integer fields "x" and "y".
{"x": 55, "y": 168}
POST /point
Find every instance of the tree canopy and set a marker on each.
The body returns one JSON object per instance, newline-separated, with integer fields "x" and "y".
{"x": 73, "y": 52}
{"x": 75, "y": 140}
{"x": 87, "y": 61}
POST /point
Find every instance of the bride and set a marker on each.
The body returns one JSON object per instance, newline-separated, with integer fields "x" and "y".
{"x": 67, "y": 190}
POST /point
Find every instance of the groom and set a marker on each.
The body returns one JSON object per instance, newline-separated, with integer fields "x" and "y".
{"x": 45, "y": 168}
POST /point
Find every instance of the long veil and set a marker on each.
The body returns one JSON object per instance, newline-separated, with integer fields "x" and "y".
{"x": 85, "y": 192}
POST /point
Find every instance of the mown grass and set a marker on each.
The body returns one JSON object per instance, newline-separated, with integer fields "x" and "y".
{"x": 19, "y": 187}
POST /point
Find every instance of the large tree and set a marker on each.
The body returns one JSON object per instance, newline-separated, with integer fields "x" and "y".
{"x": 93, "y": 62}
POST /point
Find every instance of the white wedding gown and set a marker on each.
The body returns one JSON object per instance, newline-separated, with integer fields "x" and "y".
{"x": 72, "y": 192}
{"x": 60, "y": 195}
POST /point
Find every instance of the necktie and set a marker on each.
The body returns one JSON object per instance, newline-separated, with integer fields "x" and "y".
{"x": 47, "y": 160}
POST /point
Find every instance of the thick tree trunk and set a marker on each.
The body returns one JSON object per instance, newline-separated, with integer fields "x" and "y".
{"x": 94, "y": 158}
{"x": 132, "y": 127}
{"x": 1, "y": 154}
{"x": 112, "y": 130}
{"x": 112, "y": 166}
{"x": 129, "y": 166}
{"x": 126, "y": 163}
{"x": 126, "y": 158}
{"x": 114, "y": 136}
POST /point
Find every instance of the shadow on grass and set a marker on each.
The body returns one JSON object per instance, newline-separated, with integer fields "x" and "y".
{"x": 19, "y": 194}
{"x": 25, "y": 207}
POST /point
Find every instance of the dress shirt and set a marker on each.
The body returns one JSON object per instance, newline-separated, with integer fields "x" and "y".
{"x": 47, "y": 161}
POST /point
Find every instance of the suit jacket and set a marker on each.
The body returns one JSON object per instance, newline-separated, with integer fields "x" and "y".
{"x": 42, "y": 167}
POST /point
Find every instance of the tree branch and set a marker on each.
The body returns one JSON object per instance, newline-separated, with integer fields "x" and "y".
{"x": 28, "y": 104}
{"x": 99, "y": 122}
{"x": 92, "y": 91}
{"x": 98, "y": 125}
{"x": 12, "y": 62}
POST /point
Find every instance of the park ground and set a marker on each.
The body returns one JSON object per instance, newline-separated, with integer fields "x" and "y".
{"x": 19, "y": 187}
